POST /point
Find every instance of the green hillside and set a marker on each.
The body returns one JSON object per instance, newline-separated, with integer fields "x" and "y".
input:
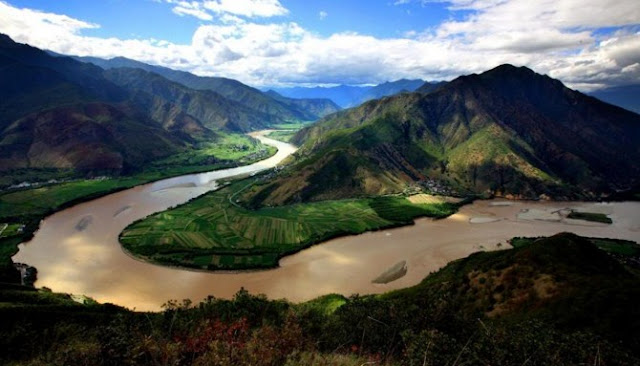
{"x": 508, "y": 131}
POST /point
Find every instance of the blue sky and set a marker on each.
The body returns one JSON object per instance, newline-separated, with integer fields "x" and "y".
{"x": 155, "y": 19}
{"x": 588, "y": 44}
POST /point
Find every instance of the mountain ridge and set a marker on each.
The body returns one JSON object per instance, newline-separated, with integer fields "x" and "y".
{"x": 88, "y": 117}
{"x": 625, "y": 96}
{"x": 507, "y": 131}
{"x": 348, "y": 96}
{"x": 210, "y": 108}
{"x": 234, "y": 90}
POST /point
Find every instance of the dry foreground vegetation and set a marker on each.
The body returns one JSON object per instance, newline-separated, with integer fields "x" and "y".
{"x": 215, "y": 232}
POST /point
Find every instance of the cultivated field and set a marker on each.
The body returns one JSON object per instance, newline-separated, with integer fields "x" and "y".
{"x": 284, "y": 136}
{"x": 27, "y": 206}
{"x": 231, "y": 150}
{"x": 212, "y": 232}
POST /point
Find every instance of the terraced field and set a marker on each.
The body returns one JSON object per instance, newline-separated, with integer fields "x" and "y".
{"x": 25, "y": 208}
{"x": 212, "y": 232}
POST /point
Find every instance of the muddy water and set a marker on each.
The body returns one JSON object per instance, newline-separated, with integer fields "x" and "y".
{"x": 91, "y": 262}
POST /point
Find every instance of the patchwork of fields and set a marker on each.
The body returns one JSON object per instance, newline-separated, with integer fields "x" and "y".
{"x": 212, "y": 232}
{"x": 24, "y": 208}
{"x": 229, "y": 151}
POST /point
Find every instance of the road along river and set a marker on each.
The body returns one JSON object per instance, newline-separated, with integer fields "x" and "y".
{"x": 77, "y": 251}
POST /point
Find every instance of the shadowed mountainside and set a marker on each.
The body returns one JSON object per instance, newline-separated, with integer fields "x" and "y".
{"x": 508, "y": 131}
{"x": 56, "y": 112}
{"x": 160, "y": 96}
{"x": 278, "y": 110}
{"x": 85, "y": 137}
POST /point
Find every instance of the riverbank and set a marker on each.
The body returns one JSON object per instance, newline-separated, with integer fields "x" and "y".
{"x": 213, "y": 232}
{"x": 93, "y": 263}
{"x": 29, "y": 207}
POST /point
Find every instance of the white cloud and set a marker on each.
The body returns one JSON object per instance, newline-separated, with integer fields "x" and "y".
{"x": 248, "y": 8}
{"x": 204, "y": 9}
{"x": 25, "y": 23}
{"x": 554, "y": 37}
{"x": 186, "y": 8}
{"x": 322, "y": 14}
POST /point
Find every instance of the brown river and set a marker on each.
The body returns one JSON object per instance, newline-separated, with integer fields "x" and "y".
{"x": 76, "y": 250}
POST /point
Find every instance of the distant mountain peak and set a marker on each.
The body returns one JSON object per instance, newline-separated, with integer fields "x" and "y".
{"x": 509, "y": 67}
{"x": 513, "y": 82}
{"x": 508, "y": 70}
{"x": 508, "y": 131}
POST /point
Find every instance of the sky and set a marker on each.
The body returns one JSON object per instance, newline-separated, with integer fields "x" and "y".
{"x": 588, "y": 44}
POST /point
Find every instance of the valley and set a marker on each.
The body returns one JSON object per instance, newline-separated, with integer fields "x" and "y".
{"x": 358, "y": 174}
{"x": 28, "y": 206}
{"x": 92, "y": 262}
{"x": 276, "y": 183}
{"x": 215, "y": 232}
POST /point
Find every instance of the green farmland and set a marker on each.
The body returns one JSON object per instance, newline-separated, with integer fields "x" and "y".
{"x": 29, "y": 206}
{"x": 211, "y": 232}
{"x": 291, "y": 126}
{"x": 228, "y": 152}
{"x": 284, "y": 136}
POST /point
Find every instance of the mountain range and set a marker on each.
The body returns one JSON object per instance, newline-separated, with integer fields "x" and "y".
{"x": 285, "y": 109}
{"x": 347, "y": 96}
{"x": 508, "y": 131}
{"x": 626, "y": 96}
{"x": 61, "y": 113}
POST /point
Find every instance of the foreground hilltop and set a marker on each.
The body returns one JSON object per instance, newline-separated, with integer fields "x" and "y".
{"x": 550, "y": 301}
{"x": 508, "y": 131}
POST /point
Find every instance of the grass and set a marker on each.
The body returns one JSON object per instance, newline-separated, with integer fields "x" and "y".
{"x": 212, "y": 232}
{"x": 590, "y": 216}
{"x": 613, "y": 246}
{"x": 616, "y": 246}
{"x": 9, "y": 230}
{"x": 284, "y": 136}
{"x": 42, "y": 200}
{"x": 326, "y": 304}
{"x": 45, "y": 199}
{"x": 291, "y": 126}
{"x": 17, "y": 176}
{"x": 231, "y": 147}
{"x": 286, "y": 131}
